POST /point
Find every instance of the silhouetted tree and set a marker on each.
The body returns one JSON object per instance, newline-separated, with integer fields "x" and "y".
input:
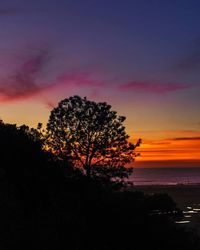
{"x": 19, "y": 146}
{"x": 92, "y": 136}
{"x": 21, "y": 156}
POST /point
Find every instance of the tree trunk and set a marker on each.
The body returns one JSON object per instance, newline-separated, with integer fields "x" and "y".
{"x": 88, "y": 172}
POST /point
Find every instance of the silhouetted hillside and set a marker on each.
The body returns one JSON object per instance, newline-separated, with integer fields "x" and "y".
{"x": 42, "y": 206}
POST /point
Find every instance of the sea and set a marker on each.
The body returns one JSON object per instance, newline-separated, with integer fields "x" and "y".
{"x": 165, "y": 176}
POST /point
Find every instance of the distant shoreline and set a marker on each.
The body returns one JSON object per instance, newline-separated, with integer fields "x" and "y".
{"x": 165, "y": 176}
{"x": 168, "y": 185}
{"x": 184, "y": 195}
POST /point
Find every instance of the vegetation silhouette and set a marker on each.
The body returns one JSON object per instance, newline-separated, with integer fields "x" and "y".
{"x": 32, "y": 190}
{"x": 47, "y": 203}
{"x": 92, "y": 137}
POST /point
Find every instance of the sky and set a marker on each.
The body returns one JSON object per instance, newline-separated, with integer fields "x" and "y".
{"x": 140, "y": 56}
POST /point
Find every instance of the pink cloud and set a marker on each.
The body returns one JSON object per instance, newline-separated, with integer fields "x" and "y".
{"x": 153, "y": 87}
{"x": 24, "y": 82}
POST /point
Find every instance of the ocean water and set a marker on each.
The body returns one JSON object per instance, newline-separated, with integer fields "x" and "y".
{"x": 165, "y": 176}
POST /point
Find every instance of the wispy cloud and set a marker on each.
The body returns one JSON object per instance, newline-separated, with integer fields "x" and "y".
{"x": 170, "y": 133}
{"x": 153, "y": 87}
{"x": 196, "y": 138}
{"x": 176, "y": 150}
{"x": 23, "y": 82}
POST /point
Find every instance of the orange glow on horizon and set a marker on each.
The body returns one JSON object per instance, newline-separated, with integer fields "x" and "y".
{"x": 171, "y": 151}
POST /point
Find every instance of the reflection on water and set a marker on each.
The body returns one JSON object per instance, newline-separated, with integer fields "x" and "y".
{"x": 190, "y": 212}
{"x": 182, "y": 222}
{"x": 196, "y": 209}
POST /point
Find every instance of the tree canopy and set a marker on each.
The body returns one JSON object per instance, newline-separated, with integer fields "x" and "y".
{"x": 19, "y": 146}
{"x": 92, "y": 136}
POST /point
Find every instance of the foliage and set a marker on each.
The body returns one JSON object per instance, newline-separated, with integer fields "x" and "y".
{"x": 22, "y": 155}
{"x": 92, "y": 136}
{"x": 19, "y": 145}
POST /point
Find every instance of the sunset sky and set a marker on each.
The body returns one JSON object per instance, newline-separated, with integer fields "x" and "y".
{"x": 140, "y": 56}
